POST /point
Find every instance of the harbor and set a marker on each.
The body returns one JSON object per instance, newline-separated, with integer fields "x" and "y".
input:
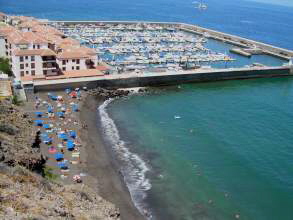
{"x": 140, "y": 46}
{"x": 154, "y": 53}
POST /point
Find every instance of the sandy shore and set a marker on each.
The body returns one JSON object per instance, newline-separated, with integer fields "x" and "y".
{"x": 100, "y": 162}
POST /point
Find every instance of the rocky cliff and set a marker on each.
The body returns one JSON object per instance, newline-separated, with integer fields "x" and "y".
{"x": 24, "y": 192}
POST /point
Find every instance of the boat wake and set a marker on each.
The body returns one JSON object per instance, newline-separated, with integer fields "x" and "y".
{"x": 133, "y": 167}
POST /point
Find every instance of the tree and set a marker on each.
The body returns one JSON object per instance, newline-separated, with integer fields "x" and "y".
{"x": 5, "y": 66}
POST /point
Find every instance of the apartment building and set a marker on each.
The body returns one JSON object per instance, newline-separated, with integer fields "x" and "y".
{"x": 37, "y": 50}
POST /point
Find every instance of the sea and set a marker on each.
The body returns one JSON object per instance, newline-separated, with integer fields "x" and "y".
{"x": 217, "y": 150}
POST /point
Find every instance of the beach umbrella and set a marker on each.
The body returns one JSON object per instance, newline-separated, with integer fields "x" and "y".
{"x": 50, "y": 109}
{"x": 63, "y": 136}
{"x": 59, "y": 156}
{"x": 72, "y": 134}
{"x": 75, "y": 107}
{"x": 39, "y": 114}
{"x": 52, "y": 150}
{"x": 39, "y": 122}
{"x": 73, "y": 94}
{"x": 60, "y": 114}
{"x": 59, "y": 98}
{"x": 43, "y": 135}
{"x": 46, "y": 126}
{"x": 47, "y": 140}
{"x": 77, "y": 178}
{"x": 67, "y": 91}
{"x": 62, "y": 165}
{"x": 70, "y": 145}
{"x": 54, "y": 98}
{"x": 63, "y": 109}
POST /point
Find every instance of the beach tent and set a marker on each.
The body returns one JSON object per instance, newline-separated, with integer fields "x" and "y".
{"x": 39, "y": 114}
{"x": 39, "y": 123}
{"x": 63, "y": 136}
{"x": 70, "y": 145}
{"x": 59, "y": 156}
{"x": 60, "y": 114}
{"x": 72, "y": 134}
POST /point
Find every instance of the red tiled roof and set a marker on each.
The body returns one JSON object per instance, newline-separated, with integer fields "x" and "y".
{"x": 73, "y": 52}
{"x": 40, "y": 52}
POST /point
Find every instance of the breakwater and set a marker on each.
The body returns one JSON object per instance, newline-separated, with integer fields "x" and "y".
{"x": 159, "y": 79}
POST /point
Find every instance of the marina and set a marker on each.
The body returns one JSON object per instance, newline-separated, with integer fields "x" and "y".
{"x": 143, "y": 46}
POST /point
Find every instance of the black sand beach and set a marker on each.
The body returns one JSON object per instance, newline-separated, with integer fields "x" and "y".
{"x": 100, "y": 163}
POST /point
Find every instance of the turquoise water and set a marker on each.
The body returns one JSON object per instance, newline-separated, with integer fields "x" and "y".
{"x": 229, "y": 153}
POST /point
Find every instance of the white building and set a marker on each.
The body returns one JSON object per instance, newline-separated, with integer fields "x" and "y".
{"x": 36, "y": 50}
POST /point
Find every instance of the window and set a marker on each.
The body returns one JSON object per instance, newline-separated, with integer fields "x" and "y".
{"x": 77, "y": 61}
{"x": 22, "y": 66}
{"x": 73, "y": 68}
{"x": 21, "y": 59}
{"x": 73, "y": 60}
{"x": 77, "y": 68}
{"x": 45, "y": 72}
{"x": 34, "y": 46}
{"x": 6, "y": 53}
{"x": 21, "y": 73}
{"x": 33, "y": 72}
{"x": 26, "y": 65}
{"x": 64, "y": 68}
{"x": 32, "y": 58}
{"x": 64, "y": 62}
{"x": 38, "y": 46}
{"x": 26, "y": 72}
{"x": 26, "y": 57}
{"x": 32, "y": 65}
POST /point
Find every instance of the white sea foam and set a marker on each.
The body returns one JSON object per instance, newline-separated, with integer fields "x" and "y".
{"x": 134, "y": 168}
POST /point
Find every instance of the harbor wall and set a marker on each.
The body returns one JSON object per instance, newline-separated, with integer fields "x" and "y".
{"x": 164, "y": 80}
{"x": 229, "y": 38}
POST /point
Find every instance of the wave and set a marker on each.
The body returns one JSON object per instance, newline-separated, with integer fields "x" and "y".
{"x": 134, "y": 169}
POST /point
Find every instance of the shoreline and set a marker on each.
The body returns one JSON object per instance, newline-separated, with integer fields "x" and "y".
{"x": 100, "y": 162}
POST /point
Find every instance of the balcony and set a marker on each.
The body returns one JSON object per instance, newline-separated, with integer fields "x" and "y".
{"x": 49, "y": 59}
{"x": 90, "y": 64}
{"x": 50, "y": 65}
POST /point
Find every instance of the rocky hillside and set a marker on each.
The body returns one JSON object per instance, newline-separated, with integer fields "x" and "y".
{"x": 24, "y": 192}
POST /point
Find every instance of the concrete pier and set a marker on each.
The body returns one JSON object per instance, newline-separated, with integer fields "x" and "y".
{"x": 159, "y": 79}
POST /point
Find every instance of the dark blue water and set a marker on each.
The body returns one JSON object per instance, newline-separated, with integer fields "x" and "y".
{"x": 265, "y": 22}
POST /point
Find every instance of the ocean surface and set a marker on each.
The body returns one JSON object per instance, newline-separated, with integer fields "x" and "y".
{"x": 217, "y": 150}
